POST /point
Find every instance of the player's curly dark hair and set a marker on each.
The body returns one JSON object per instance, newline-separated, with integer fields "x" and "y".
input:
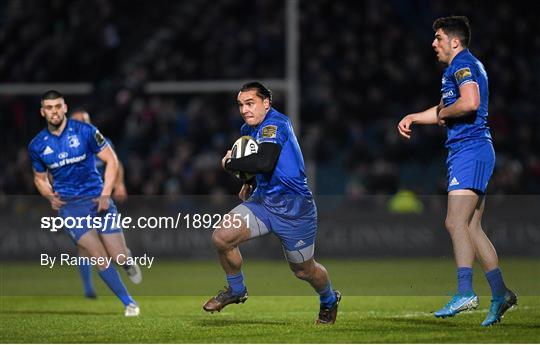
{"x": 457, "y": 26}
{"x": 262, "y": 91}
{"x": 52, "y": 94}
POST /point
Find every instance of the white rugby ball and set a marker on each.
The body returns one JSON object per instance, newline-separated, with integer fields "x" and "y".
{"x": 243, "y": 147}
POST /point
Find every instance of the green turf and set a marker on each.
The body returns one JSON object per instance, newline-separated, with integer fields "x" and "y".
{"x": 385, "y": 301}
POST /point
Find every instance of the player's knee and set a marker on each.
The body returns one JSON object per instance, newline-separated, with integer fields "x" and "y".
{"x": 451, "y": 224}
{"x": 475, "y": 228}
{"x": 96, "y": 252}
{"x": 119, "y": 257}
{"x": 303, "y": 273}
{"x": 222, "y": 240}
{"x": 101, "y": 261}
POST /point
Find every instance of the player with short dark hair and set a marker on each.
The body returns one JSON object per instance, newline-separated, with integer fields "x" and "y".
{"x": 67, "y": 150}
{"x": 457, "y": 26}
{"x": 262, "y": 91}
{"x": 281, "y": 203}
{"x": 463, "y": 109}
{"x": 120, "y": 195}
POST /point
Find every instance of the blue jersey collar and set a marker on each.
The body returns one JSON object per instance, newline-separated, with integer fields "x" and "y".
{"x": 68, "y": 122}
{"x": 270, "y": 112}
{"x": 463, "y": 52}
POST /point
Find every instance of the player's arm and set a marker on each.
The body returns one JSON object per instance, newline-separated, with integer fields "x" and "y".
{"x": 264, "y": 161}
{"x": 245, "y": 191}
{"x": 108, "y": 156}
{"x": 119, "y": 190}
{"x": 43, "y": 185}
{"x": 468, "y": 102}
{"x": 426, "y": 117}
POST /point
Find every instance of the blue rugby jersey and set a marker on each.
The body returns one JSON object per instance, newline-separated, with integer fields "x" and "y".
{"x": 100, "y": 165}
{"x": 466, "y": 68}
{"x": 70, "y": 157}
{"x": 289, "y": 175}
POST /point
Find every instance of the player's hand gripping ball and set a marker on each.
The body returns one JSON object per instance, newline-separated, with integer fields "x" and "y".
{"x": 243, "y": 147}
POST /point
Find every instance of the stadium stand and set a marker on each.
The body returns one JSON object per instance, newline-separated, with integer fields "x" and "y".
{"x": 362, "y": 68}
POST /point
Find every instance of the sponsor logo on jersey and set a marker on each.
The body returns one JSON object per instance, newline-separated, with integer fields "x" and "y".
{"x": 299, "y": 244}
{"x": 448, "y": 93}
{"x": 67, "y": 161}
{"x": 47, "y": 151}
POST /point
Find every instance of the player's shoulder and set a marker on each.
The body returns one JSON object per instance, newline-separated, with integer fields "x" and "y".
{"x": 465, "y": 65}
{"x": 276, "y": 118}
{"x": 39, "y": 140}
{"x": 109, "y": 141}
{"x": 85, "y": 130}
{"x": 464, "y": 59}
{"x": 245, "y": 129}
{"x": 274, "y": 125}
{"x": 80, "y": 126}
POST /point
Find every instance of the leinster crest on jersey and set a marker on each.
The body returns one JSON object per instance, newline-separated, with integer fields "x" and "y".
{"x": 73, "y": 141}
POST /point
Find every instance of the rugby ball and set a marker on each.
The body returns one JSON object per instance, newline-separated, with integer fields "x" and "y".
{"x": 243, "y": 147}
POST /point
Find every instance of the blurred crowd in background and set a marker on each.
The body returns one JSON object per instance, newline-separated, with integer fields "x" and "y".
{"x": 363, "y": 66}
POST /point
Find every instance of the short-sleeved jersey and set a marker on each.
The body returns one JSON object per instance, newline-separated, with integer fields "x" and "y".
{"x": 466, "y": 68}
{"x": 289, "y": 176}
{"x": 100, "y": 165}
{"x": 70, "y": 157}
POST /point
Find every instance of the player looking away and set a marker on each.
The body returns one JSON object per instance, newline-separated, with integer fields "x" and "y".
{"x": 463, "y": 109}
{"x": 281, "y": 203}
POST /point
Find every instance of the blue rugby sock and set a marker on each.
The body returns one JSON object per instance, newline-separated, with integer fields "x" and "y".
{"x": 464, "y": 277}
{"x": 236, "y": 282}
{"x": 85, "y": 271}
{"x": 496, "y": 282}
{"x": 327, "y": 296}
{"x": 111, "y": 277}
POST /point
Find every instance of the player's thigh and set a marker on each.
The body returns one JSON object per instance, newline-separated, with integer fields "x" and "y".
{"x": 298, "y": 242}
{"x": 78, "y": 210}
{"x": 461, "y": 206}
{"x": 114, "y": 243}
{"x": 91, "y": 243}
{"x": 301, "y": 256}
{"x": 81, "y": 251}
{"x": 111, "y": 235}
{"x": 241, "y": 225}
{"x": 470, "y": 167}
{"x": 253, "y": 216}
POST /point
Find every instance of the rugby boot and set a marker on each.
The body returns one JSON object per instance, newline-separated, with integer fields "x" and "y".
{"x": 224, "y": 298}
{"x": 457, "y": 304}
{"x": 328, "y": 315}
{"x": 132, "y": 310}
{"x": 134, "y": 273}
{"x": 499, "y": 305}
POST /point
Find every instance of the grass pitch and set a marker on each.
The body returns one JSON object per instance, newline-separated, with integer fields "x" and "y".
{"x": 385, "y": 301}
